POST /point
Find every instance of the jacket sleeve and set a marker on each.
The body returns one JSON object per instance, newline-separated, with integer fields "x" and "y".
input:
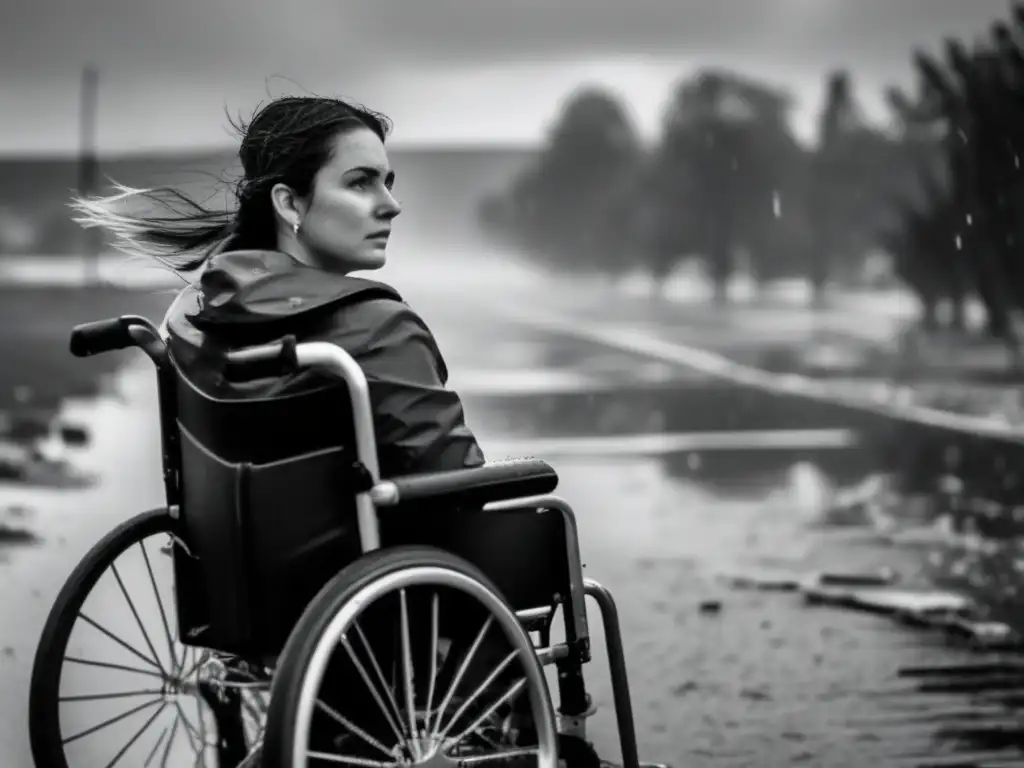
{"x": 420, "y": 423}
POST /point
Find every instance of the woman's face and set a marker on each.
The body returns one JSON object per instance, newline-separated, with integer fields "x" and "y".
{"x": 347, "y": 220}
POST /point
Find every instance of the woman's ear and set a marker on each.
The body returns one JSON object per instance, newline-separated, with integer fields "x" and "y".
{"x": 287, "y": 205}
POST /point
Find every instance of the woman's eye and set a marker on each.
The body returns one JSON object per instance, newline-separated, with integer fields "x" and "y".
{"x": 368, "y": 182}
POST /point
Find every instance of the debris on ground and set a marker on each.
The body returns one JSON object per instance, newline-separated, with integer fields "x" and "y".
{"x": 27, "y": 423}
{"x": 886, "y": 600}
{"x": 709, "y": 607}
{"x": 950, "y": 612}
{"x": 995, "y": 666}
{"x": 984, "y": 635}
{"x": 39, "y": 464}
{"x": 74, "y": 434}
{"x": 16, "y": 534}
{"x": 16, "y": 512}
{"x": 768, "y": 581}
{"x": 762, "y": 582}
{"x": 881, "y": 578}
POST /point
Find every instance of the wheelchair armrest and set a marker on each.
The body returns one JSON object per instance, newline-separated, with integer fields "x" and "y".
{"x": 475, "y": 485}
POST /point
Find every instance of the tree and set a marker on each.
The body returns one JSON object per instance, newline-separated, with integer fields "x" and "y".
{"x": 925, "y": 251}
{"x": 574, "y": 207}
{"x": 964, "y": 102}
{"x": 726, "y": 155}
{"x": 922, "y": 233}
{"x": 849, "y": 175}
{"x": 971, "y": 103}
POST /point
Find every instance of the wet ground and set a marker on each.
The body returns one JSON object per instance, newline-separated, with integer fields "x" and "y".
{"x": 766, "y": 680}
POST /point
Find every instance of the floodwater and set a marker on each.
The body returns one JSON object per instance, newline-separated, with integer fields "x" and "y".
{"x": 766, "y": 680}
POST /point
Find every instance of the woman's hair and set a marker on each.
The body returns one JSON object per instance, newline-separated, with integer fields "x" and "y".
{"x": 287, "y": 141}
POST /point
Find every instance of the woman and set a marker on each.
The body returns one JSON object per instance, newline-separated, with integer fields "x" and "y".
{"x": 314, "y": 205}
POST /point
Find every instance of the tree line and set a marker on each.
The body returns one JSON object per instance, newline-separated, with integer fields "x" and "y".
{"x": 937, "y": 189}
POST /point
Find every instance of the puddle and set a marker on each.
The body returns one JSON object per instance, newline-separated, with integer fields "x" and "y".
{"x": 762, "y": 680}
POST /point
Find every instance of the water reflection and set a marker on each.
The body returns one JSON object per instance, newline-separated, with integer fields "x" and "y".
{"x": 768, "y": 674}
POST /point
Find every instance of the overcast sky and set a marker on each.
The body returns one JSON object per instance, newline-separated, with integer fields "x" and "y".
{"x": 446, "y": 71}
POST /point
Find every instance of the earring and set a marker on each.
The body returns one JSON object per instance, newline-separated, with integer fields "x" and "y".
{"x": 295, "y": 228}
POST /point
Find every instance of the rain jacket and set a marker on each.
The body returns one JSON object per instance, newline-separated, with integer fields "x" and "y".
{"x": 254, "y": 297}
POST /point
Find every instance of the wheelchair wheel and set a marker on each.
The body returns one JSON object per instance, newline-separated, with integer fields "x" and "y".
{"x": 409, "y": 656}
{"x": 110, "y": 683}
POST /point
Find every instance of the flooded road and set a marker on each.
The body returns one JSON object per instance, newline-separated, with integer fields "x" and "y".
{"x": 766, "y": 680}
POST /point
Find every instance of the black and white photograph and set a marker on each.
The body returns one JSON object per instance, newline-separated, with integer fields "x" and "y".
{"x": 471, "y": 383}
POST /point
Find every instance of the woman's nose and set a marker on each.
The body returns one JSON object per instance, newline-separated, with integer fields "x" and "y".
{"x": 390, "y": 207}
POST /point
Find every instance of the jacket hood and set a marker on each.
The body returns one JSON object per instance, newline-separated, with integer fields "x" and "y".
{"x": 256, "y": 296}
{"x": 241, "y": 288}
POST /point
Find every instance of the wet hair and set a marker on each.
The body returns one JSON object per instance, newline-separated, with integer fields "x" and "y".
{"x": 286, "y": 141}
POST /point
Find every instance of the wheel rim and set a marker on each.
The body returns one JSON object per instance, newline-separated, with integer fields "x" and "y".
{"x": 127, "y": 689}
{"x": 440, "y": 722}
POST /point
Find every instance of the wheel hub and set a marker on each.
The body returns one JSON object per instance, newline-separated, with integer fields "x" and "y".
{"x": 435, "y": 756}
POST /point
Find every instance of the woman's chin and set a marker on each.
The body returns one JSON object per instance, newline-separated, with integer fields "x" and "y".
{"x": 378, "y": 261}
{"x": 371, "y": 259}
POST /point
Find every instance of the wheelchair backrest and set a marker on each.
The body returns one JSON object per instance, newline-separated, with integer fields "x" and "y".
{"x": 267, "y": 497}
{"x": 267, "y": 511}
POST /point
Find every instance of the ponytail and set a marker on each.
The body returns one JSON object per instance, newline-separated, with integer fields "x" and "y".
{"x": 180, "y": 234}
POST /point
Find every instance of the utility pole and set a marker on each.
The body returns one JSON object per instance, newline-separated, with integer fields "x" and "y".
{"x": 88, "y": 166}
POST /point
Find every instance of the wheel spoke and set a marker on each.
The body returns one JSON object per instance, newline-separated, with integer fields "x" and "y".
{"x": 505, "y": 754}
{"x": 138, "y": 734}
{"x": 195, "y": 735}
{"x": 156, "y": 747}
{"x": 121, "y": 642}
{"x": 186, "y": 727}
{"x": 470, "y": 700}
{"x": 106, "y": 696}
{"x": 252, "y": 760}
{"x": 379, "y": 673}
{"x": 435, "y": 610}
{"x": 135, "y": 613}
{"x": 170, "y": 740}
{"x": 179, "y": 669}
{"x": 255, "y": 712}
{"x": 466, "y": 661}
{"x": 490, "y": 710}
{"x": 409, "y": 675}
{"x": 200, "y": 658}
{"x": 344, "y": 722}
{"x": 111, "y": 721}
{"x": 373, "y": 688}
{"x": 109, "y": 665}
{"x": 479, "y": 733}
{"x": 160, "y": 606}
{"x": 202, "y": 722}
{"x": 361, "y": 762}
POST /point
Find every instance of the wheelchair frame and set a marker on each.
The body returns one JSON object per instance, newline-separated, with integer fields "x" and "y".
{"x": 574, "y": 705}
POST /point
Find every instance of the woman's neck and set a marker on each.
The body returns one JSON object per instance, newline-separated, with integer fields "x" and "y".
{"x": 303, "y": 256}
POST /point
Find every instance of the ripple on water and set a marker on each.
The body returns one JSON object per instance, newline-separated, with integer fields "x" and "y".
{"x": 767, "y": 680}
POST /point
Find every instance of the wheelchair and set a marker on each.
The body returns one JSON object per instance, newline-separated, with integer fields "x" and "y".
{"x": 319, "y": 615}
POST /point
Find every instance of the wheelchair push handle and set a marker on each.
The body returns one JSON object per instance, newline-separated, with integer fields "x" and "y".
{"x": 102, "y": 336}
{"x": 262, "y": 362}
